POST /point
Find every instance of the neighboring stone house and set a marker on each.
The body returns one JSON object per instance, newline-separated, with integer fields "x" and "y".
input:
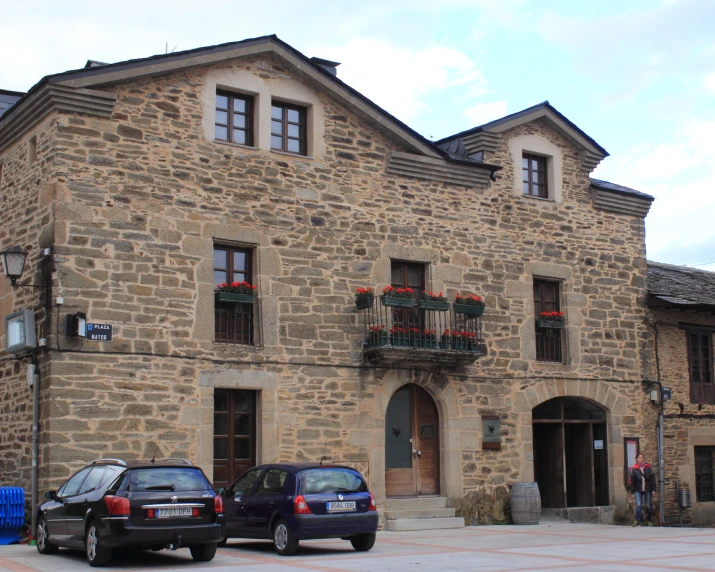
{"x": 681, "y": 304}
{"x": 154, "y": 180}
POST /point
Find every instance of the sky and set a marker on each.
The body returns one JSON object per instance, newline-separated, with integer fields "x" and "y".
{"x": 638, "y": 76}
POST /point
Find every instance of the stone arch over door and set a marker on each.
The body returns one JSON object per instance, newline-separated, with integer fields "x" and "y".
{"x": 610, "y": 396}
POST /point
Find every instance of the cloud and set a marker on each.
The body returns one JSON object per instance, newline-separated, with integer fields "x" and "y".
{"x": 485, "y": 112}
{"x": 709, "y": 83}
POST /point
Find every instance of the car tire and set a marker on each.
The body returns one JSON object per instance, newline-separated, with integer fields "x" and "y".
{"x": 223, "y": 542}
{"x": 97, "y": 555}
{"x": 283, "y": 540}
{"x": 363, "y": 542}
{"x": 203, "y": 552}
{"x": 44, "y": 546}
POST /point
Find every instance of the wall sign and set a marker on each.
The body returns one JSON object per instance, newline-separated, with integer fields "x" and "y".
{"x": 598, "y": 443}
{"x": 631, "y": 448}
{"x": 491, "y": 432}
{"x": 99, "y": 332}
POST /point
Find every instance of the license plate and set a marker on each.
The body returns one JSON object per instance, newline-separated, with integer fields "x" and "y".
{"x": 341, "y": 506}
{"x": 173, "y": 511}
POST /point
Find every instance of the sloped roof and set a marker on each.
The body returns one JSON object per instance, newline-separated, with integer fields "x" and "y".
{"x": 605, "y": 185}
{"x": 8, "y": 99}
{"x": 680, "y": 286}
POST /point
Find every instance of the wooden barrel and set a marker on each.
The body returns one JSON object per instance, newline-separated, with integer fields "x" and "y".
{"x": 525, "y": 503}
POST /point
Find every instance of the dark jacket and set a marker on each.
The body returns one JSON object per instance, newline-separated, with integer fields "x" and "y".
{"x": 637, "y": 479}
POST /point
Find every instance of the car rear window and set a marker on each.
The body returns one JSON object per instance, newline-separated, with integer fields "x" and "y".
{"x": 168, "y": 479}
{"x": 317, "y": 481}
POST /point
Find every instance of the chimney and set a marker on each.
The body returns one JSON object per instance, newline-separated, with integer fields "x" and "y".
{"x": 327, "y": 65}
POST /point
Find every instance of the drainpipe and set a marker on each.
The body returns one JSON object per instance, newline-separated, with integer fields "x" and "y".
{"x": 659, "y": 433}
{"x": 35, "y": 442}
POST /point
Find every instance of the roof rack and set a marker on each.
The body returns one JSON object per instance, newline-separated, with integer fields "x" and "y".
{"x": 179, "y": 460}
{"x": 118, "y": 461}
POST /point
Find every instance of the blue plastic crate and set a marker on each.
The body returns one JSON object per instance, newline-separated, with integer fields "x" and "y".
{"x": 12, "y": 513}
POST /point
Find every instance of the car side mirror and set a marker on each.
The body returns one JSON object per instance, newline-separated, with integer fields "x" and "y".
{"x": 52, "y": 495}
{"x": 221, "y": 491}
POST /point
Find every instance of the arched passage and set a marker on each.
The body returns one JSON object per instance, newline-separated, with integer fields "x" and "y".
{"x": 411, "y": 444}
{"x": 570, "y": 453}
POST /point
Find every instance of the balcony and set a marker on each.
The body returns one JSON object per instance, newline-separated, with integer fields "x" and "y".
{"x": 413, "y": 335}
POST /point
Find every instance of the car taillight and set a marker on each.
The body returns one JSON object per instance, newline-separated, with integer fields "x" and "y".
{"x": 118, "y": 506}
{"x": 195, "y": 511}
{"x": 218, "y": 504}
{"x": 373, "y": 504}
{"x": 300, "y": 506}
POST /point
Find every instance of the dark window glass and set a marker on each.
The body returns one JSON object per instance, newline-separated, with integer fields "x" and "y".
{"x": 92, "y": 481}
{"x": 244, "y": 485}
{"x": 272, "y": 483}
{"x": 234, "y": 118}
{"x": 704, "y": 468}
{"x": 72, "y": 486}
{"x": 288, "y": 128}
{"x": 533, "y": 170}
{"x": 233, "y": 321}
{"x": 548, "y": 340}
{"x": 318, "y": 481}
{"x": 168, "y": 479}
{"x": 700, "y": 361}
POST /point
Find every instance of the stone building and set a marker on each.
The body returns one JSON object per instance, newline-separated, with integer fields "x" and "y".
{"x": 681, "y": 304}
{"x": 152, "y": 181}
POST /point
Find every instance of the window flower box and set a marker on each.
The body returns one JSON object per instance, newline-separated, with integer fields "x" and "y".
{"x": 364, "y": 298}
{"x": 398, "y": 297}
{"x": 235, "y": 298}
{"x": 470, "y": 304}
{"x": 399, "y": 337}
{"x": 236, "y": 292}
{"x": 552, "y": 320}
{"x": 432, "y": 301}
{"x": 377, "y": 336}
{"x": 459, "y": 340}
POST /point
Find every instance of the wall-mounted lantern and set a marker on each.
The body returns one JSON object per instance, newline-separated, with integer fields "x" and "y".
{"x": 13, "y": 263}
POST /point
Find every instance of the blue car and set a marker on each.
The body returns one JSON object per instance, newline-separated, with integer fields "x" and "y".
{"x": 289, "y": 502}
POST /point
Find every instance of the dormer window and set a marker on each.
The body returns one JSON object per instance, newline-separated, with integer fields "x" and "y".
{"x": 533, "y": 170}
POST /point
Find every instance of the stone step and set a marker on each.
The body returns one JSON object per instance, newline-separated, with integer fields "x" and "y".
{"x": 405, "y": 524}
{"x": 419, "y": 513}
{"x": 410, "y": 503}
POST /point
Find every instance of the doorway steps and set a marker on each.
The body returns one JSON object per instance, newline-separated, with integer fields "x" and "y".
{"x": 590, "y": 514}
{"x": 420, "y": 513}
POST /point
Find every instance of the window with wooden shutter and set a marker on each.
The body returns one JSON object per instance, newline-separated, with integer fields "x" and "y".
{"x": 700, "y": 361}
{"x": 704, "y": 474}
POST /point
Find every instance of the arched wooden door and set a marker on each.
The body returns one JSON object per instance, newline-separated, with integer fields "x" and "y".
{"x": 570, "y": 453}
{"x": 411, "y": 444}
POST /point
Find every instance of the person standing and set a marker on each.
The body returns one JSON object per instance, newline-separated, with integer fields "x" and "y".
{"x": 643, "y": 486}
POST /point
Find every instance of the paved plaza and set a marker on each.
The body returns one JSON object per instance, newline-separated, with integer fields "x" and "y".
{"x": 552, "y": 545}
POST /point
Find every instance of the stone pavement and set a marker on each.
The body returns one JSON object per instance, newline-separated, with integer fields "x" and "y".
{"x": 554, "y": 544}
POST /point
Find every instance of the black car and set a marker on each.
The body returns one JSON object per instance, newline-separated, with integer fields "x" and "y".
{"x": 289, "y": 502}
{"x": 142, "y": 504}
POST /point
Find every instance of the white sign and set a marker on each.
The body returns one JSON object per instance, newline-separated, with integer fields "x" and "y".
{"x": 598, "y": 443}
{"x": 631, "y": 450}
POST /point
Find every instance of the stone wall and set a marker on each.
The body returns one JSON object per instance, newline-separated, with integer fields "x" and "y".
{"x": 142, "y": 197}
{"x": 686, "y": 424}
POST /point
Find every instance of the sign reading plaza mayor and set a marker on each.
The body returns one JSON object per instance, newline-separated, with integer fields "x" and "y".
{"x": 99, "y": 332}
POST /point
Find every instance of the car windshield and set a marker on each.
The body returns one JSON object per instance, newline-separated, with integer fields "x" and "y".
{"x": 168, "y": 479}
{"x": 331, "y": 480}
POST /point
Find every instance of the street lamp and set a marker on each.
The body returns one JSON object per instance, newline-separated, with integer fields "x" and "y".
{"x": 13, "y": 263}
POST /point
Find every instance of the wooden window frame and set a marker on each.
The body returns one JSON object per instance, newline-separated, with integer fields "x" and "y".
{"x": 704, "y": 467}
{"x": 700, "y": 369}
{"x": 229, "y": 110}
{"x": 409, "y": 317}
{"x": 231, "y": 461}
{"x": 285, "y": 123}
{"x": 548, "y": 337}
{"x": 233, "y": 310}
{"x": 535, "y": 189}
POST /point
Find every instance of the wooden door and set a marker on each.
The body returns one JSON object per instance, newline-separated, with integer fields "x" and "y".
{"x": 579, "y": 464}
{"x": 234, "y": 434}
{"x": 549, "y": 464}
{"x": 411, "y": 444}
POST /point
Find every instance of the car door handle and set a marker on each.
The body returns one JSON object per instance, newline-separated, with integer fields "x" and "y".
{"x": 271, "y": 503}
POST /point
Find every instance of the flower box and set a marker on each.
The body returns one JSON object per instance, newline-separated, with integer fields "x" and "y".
{"x": 433, "y": 305}
{"x": 235, "y": 298}
{"x": 366, "y": 302}
{"x": 400, "y": 341}
{"x": 470, "y": 309}
{"x": 397, "y": 302}
{"x": 460, "y": 346}
{"x": 553, "y": 324}
{"x": 428, "y": 344}
{"x": 376, "y": 341}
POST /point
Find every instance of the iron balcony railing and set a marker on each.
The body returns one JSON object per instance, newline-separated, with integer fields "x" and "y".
{"x": 234, "y": 323}
{"x": 428, "y": 329}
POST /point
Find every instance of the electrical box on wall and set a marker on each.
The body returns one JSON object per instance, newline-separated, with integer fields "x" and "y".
{"x": 20, "y": 332}
{"x": 77, "y": 325}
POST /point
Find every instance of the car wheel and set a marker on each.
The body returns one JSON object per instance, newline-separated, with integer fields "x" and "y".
{"x": 363, "y": 542}
{"x": 203, "y": 552}
{"x": 97, "y": 555}
{"x": 283, "y": 540}
{"x": 223, "y": 542}
{"x": 44, "y": 546}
